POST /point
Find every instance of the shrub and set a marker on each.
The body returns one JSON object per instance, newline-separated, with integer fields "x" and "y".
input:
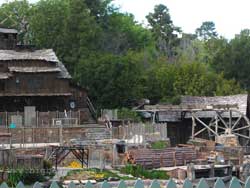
{"x": 159, "y": 144}
{"x": 139, "y": 171}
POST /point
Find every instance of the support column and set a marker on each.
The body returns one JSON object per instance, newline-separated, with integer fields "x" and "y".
{"x": 193, "y": 125}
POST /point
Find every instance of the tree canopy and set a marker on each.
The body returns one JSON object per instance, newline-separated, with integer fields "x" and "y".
{"x": 119, "y": 60}
{"x": 206, "y": 30}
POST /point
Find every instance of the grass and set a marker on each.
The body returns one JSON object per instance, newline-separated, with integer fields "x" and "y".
{"x": 159, "y": 145}
{"x": 139, "y": 171}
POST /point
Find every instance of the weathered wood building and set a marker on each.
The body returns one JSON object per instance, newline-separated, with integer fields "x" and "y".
{"x": 204, "y": 117}
{"x": 38, "y": 79}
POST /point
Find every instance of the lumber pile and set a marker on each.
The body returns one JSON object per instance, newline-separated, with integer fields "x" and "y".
{"x": 153, "y": 158}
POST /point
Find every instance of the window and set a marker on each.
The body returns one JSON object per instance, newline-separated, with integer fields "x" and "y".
{"x": 2, "y": 85}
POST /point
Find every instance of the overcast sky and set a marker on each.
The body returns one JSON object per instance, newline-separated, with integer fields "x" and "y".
{"x": 230, "y": 16}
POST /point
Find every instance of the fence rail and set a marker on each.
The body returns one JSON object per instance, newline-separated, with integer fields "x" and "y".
{"x": 45, "y": 119}
{"x": 234, "y": 183}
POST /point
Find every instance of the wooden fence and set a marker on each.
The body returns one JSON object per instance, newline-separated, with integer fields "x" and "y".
{"x": 234, "y": 183}
{"x": 140, "y": 133}
{"x": 46, "y": 119}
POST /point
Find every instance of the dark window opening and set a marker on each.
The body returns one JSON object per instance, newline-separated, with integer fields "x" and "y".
{"x": 6, "y": 36}
{"x": 2, "y": 86}
{"x": 121, "y": 147}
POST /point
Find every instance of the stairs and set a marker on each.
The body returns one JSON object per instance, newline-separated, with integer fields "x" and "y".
{"x": 100, "y": 133}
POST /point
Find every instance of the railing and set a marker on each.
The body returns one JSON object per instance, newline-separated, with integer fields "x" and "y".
{"x": 43, "y": 119}
{"x": 64, "y": 122}
{"x": 234, "y": 183}
{"x": 91, "y": 108}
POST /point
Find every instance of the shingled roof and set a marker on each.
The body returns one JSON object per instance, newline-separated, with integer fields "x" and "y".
{"x": 5, "y": 30}
{"x": 239, "y": 102}
{"x": 42, "y": 55}
{"x": 46, "y": 55}
{"x": 203, "y": 107}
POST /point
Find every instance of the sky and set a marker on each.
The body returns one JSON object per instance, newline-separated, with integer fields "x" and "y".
{"x": 229, "y": 16}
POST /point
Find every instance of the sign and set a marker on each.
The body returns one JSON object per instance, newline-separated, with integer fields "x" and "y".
{"x": 58, "y": 122}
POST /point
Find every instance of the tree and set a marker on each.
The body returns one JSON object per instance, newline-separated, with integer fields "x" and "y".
{"x": 118, "y": 60}
{"x": 80, "y": 33}
{"x": 99, "y": 9}
{"x": 206, "y": 30}
{"x": 164, "y": 31}
{"x": 165, "y": 82}
{"x": 233, "y": 58}
{"x": 47, "y": 24}
{"x": 121, "y": 33}
{"x": 16, "y": 15}
{"x": 112, "y": 80}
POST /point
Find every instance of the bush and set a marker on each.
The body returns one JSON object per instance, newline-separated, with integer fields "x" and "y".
{"x": 159, "y": 144}
{"x": 125, "y": 113}
{"x": 27, "y": 176}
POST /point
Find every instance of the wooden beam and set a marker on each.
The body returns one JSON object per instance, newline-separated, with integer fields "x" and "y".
{"x": 230, "y": 119}
{"x": 244, "y": 136}
{"x": 241, "y": 128}
{"x": 237, "y": 121}
{"x": 205, "y": 125}
{"x": 200, "y": 131}
{"x": 222, "y": 120}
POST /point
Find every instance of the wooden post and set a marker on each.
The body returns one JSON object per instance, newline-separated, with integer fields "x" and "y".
{"x": 6, "y": 119}
{"x": 32, "y": 134}
{"x": 23, "y": 136}
{"x": 61, "y": 134}
{"x": 174, "y": 158}
{"x": 56, "y": 159}
{"x": 211, "y": 171}
{"x": 82, "y": 155}
{"x": 191, "y": 171}
{"x": 87, "y": 157}
{"x": 154, "y": 117}
{"x": 230, "y": 121}
{"x": 79, "y": 117}
{"x": 216, "y": 126}
{"x": 193, "y": 125}
{"x": 37, "y": 118}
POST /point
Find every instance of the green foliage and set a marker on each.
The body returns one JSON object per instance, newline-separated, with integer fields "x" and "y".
{"x": 111, "y": 78}
{"x": 27, "y": 176}
{"x": 232, "y": 58}
{"x": 206, "y": 30}
{"x": 14, "y": 177}
{"x": 163, "y": 29}
{"x": 159, "y": 144}
{"x": 16, "y": 15}
{"x": 119, "y": 60}
{"x": 94, "y": 173}
{"x": 48, "y": 167}
{"x": 139, "y": 171}
{"x": 125, "y": 113}
{"x": 167, "y": 82}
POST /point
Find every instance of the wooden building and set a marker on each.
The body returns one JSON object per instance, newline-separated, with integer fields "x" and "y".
{"x": 198, "y": 117}
{"x": 38, "y": 79}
